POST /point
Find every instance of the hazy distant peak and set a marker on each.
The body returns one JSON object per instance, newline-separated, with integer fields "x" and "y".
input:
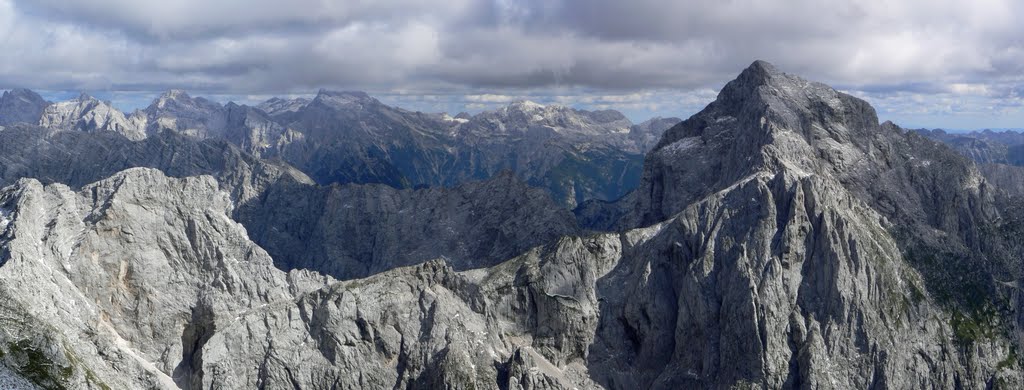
{"x": 276, "y": 105}
{"x": 84, "y": 97}
{"x": 526, "y": 105}
{"x": 343, "y": 98}
{"x": 21, "y": 106}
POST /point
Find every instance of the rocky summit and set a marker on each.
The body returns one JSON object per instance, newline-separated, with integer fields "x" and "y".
{"x": 780, "y": 238}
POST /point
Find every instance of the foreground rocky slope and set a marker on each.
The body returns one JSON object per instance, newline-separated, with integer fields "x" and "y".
{"x": 166, "y": 291}
{"x": 780, "y": 238}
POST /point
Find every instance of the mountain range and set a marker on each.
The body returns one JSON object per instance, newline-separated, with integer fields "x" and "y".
{"x": 350, "y": 137}
{"x": 782, "y": 237}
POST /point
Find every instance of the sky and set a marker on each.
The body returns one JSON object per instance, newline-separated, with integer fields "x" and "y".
{"x": 921, "y": 63}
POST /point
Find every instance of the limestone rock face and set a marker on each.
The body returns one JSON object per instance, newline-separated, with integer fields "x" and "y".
{"x": 89, "y": 114}
{"x": 108, "y": 284}
{"x": 176, "y": 110}
{"x": 144, "y": 281}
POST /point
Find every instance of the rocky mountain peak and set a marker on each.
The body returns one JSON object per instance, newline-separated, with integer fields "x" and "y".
{"x": 85, "y": 97}
{"x": 23, "y": 94}
{"x": 21, "y": 105}
{"x": 764, "y": 105}
{"x": 763, "y": 122}
{"x": 761, "y": 72}
{"x": 523, "y": 114}
{"x": 176, "y": 93}
{"x": 89, "y": 114}
{"x": 276, "y": 105}
{"x": 176, "y": 110}
{"x": 178, "y": 99}
{"x": 344, "y": 98}
{"x": 172, "y": 95}
{"x": 525, "y": 105}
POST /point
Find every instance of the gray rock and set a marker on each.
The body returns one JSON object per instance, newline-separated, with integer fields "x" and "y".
{"x": 352, "y": 231}
{"x": 1008, "y": 178}
{"x": 21, "y": 106}
{"x": 77, "y": 158}
{"x": 176, "y": 110}
{"x": 277, "y": 106}
{"x": 868, "y": 199}
{"x": 91, "y": 115}
{"x": 13, "y": 381}
{"x": 346, "y": 231}
{"x": 166, "y": 291}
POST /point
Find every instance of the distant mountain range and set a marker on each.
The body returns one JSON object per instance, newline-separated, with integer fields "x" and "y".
{"x": 350, "y": 137}
{"x": 985, "y": 146}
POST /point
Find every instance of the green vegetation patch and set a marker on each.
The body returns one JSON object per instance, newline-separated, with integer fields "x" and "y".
{"x": 33, "y": 364}
{"x": 975, "y": 326}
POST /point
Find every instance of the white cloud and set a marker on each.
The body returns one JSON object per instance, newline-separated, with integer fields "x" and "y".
{"x": 627, "y": 53}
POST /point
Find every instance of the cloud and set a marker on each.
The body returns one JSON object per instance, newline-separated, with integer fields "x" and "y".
{"x": 202, "y": 19}
{"x": 522, "y": 48}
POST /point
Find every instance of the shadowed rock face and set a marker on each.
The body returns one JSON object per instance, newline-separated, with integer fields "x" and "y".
{"x": 780, "y": 238}
{"x": 351, "y": 231}
{"x": 21, "y": 106}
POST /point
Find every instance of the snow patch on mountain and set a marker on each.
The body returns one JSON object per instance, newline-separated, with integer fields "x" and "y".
{"x": 679, "y": 148}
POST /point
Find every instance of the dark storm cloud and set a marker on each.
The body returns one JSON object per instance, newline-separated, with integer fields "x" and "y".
{"x": 879, "y": 48}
